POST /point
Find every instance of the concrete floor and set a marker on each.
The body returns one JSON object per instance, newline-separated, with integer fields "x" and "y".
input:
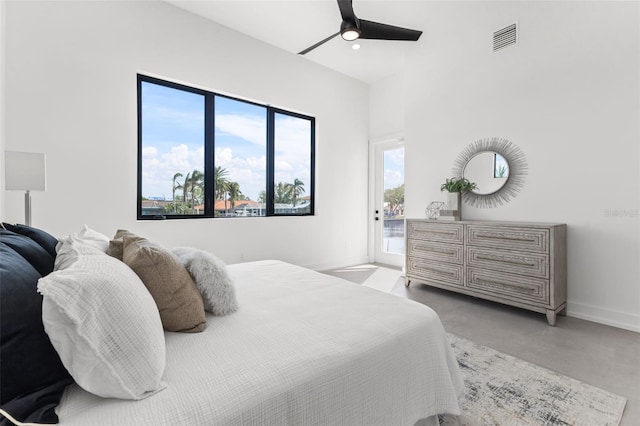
{"x": 602, "y": 356}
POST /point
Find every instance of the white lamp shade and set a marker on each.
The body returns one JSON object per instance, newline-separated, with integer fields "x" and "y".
{"x": 25, "y": 171}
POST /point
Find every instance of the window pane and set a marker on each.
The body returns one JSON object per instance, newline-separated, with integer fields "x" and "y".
{"x": 240, "y": 158}
{"x": 172, "y": 151}
{"x": 393, "y": 236}
{"x": 292, "y": 169}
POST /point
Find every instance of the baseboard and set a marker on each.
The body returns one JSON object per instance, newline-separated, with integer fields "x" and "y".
{"x": 337, "y": 263}
{"x": 604, "y": 316}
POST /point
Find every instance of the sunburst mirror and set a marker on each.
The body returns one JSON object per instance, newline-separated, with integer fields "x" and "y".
{"x": 496, "y": 166}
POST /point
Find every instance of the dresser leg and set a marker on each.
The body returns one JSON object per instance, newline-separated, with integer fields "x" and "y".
{"x": 407, "y": 281}
{"x": 551, "y": 317}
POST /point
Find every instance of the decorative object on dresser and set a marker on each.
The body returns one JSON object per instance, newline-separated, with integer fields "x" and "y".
{"x": 454, "y": 188}
{"x": 518, "y": 264}
{"x": 497, "y": 166}
{"x": 433, "y": 209}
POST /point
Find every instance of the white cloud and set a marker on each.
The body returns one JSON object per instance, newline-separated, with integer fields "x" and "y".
{"x": 158, "y": 169}
{"x": 251, "y": 129}
{"x": 249, "y": 172}
{"x": 293, "y": 149}
{"x": 393, "y": 178}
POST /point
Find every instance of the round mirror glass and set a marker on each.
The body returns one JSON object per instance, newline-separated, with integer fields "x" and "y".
{"x": 488, "y": 170}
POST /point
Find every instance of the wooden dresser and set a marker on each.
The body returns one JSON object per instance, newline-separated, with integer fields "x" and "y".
{"x": 518, "y": 264}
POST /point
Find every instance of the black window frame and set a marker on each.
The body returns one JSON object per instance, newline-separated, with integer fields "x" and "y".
{"x": 209, "y": 153}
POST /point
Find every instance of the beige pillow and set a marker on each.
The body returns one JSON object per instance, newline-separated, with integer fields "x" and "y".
{"x": 115, "y": 245}
{"x": 178, "y": 299}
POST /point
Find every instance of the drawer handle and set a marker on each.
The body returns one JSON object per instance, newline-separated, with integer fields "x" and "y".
{"x": 499, "y": 284}
{"x": 437, "y": 271}
{"x": 441, "y": 272}
{"x": 503, "y": 260}
{"x": 439, "y": 232}
{"x": 435, "y": 250}
{"x": 506, "y": 237}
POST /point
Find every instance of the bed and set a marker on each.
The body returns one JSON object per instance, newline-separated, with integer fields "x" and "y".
{"x": 304, "y": 348}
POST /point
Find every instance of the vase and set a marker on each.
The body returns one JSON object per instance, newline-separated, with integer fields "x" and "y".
{"x": 454, "y": 202}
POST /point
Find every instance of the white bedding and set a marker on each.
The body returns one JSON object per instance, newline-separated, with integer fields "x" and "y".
{"x": 303, "y": 349}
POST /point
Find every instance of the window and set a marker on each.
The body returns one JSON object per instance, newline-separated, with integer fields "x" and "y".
{"x": 292, "y": 164}
{"x": 201, "y": 154}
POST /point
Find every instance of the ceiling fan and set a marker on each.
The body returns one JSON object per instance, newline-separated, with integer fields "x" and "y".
{"x": 353, "y": 28}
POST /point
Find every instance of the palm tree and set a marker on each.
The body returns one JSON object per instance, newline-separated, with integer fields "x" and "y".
{"x": 281, "y": 193}
{"x": 196, "y": 187}
{"x": 233, "y": 188}
{"x": 295, "y": 189}
{"x": 175, "y": 186}
{"x": 221, "y": 181}
{"x": 185, "y": 192}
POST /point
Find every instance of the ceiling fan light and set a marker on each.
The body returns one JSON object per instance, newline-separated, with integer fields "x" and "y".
{"x": 350, "y": 34}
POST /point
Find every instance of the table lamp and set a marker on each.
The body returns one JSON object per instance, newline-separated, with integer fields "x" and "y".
{"x": 25, "y": 171}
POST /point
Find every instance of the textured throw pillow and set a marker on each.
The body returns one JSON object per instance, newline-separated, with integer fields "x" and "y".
{"x": 116, "y": 244}
{"x": 94, "y": 238}
{"x": 211, "y": 278}
{"x": 71, "y": 248}
{"x": 178, "y": 299}
{"x": 32, "y": 377}
{"x": 105, "y": 326}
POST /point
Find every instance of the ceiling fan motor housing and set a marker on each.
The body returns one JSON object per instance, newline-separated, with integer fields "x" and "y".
{"x": 350, "y": 30}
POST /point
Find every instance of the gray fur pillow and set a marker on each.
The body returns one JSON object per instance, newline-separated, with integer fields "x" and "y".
{"x": 211, "y": 278}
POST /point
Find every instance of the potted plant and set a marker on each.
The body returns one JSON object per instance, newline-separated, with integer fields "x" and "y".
{"x": 454, "y": 188}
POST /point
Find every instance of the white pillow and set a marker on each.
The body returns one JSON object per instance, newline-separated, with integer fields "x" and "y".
{"x": 87, "y": 241}
{"x": 70, "y": 249}
{"x": 105, "y": 326}
{"x": 94, "y": 238}
{"x": 211, "y": 278}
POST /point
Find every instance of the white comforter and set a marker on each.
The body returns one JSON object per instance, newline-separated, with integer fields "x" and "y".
{"x": 303, "y": 349}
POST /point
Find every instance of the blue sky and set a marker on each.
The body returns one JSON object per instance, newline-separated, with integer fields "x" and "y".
{"x": 393, "y": 168}
{"x": 173, "y": 141}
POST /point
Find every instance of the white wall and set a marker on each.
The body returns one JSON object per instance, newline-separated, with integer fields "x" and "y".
{"x": 71, "y": 93}
{"x": 386, "y": 107}
{"x": 568, "y": 96}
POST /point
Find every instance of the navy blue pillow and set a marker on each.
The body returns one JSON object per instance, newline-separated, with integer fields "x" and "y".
{"x": 32, "y": 377}
{"x": 31, "y": 251}
{"x": 44, "y": 239}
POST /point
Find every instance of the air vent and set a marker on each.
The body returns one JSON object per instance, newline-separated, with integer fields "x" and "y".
{"x": 505, "y": 37}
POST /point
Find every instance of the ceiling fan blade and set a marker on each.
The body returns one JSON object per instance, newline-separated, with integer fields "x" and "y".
{"x": 346, "y": 10}
{"x": 377, "y": 31}
{"x": 320, "y": 43}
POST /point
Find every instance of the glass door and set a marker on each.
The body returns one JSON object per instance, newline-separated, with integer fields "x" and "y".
{"x": 388, "y": 205}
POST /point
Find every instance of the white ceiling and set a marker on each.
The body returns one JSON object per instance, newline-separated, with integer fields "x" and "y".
{"x": 294, "y": 25}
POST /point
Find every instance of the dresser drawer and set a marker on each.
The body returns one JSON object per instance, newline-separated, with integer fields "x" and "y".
{"x": 447, "y": 233}
{"x": 531, "y": 264}
{"x": 445, "y": 273}
{"x": 508, "y": 238}
{"x": 443, "y": 252}
{"x": 514, "y": 287}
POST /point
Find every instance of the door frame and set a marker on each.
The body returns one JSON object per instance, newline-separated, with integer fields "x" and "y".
{"x": 374, "y": 144}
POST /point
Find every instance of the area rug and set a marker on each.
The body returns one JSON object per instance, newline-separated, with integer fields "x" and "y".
{"x": 504, "y": 390}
